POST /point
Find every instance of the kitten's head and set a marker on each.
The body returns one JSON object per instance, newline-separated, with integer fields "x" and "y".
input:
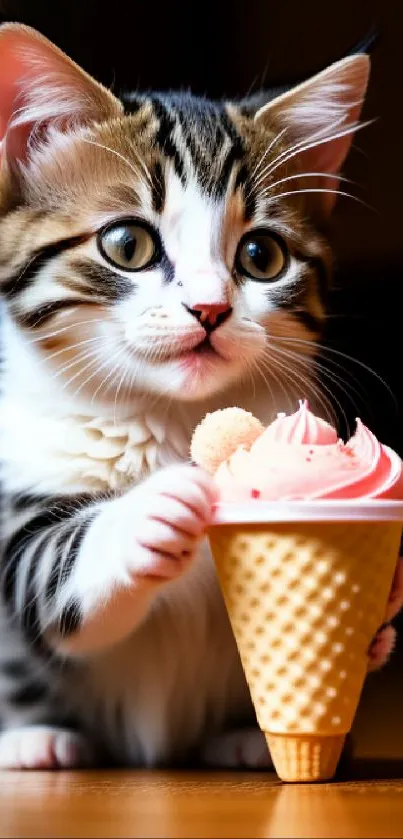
{"x": 165, "y": 243}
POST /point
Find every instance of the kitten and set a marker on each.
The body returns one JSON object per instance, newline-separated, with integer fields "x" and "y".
{"x": 160, "y": 256}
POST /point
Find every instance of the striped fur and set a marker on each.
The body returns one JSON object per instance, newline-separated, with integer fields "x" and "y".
{"x": 110, "y": 613}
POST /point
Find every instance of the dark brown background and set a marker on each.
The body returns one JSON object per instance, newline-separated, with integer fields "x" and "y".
{"x": 227, "y": 47}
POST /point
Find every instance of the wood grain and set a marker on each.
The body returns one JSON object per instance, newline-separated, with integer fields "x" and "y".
{"x": 193, "y": 804}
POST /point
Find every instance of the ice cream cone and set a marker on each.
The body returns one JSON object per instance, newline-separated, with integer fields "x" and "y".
{"x": 305, "y": 540}
{"x": 305, "y": 599}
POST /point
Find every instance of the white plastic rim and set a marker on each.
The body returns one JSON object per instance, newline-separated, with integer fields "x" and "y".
{"x": 259, "y": 512}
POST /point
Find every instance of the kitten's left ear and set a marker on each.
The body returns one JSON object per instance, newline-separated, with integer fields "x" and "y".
{"x": 41, "y": 87}
{"x": 319, "y": 118}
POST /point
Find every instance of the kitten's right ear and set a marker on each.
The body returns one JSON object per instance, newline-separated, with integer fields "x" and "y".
{"x": 41, "y": 87}
{"x": 318, "y": 119}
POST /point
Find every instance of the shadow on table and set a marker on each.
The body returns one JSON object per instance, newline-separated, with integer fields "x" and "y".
{"x": 369, "y": 769}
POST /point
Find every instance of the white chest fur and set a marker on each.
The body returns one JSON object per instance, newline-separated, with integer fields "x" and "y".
{"x": 79, "y": 453}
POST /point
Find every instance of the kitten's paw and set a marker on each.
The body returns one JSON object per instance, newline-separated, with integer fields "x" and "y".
{"x": 173, "y": 509}
{"x": 381, "y": 647}
{"x": 384, "y": 641}
{"x": 245, "y": 748}
{"x": 43, "y": 747}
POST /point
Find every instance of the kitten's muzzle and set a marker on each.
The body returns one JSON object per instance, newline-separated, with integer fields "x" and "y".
{"x": 210, "y": 315}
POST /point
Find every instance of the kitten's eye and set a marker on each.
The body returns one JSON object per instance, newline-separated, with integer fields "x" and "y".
{"x": 129, "y": 245}
{"x": 261, "y": 256}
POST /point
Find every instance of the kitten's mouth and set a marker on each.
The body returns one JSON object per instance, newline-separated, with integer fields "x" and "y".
{"x": 194, "y": 359}
{"x": 202, "y": 351}
{"x": 204, "y": 347}
{"x": 188, "y": 355}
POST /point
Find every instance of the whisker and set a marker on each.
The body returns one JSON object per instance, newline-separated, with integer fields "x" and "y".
{"x": 332, "y": 396}
{"x": 64, "y": 329}
{"x": 328, "y": 191}
{"x": 105, "y": 363}
{"x": 249, "y": 369}
{"x": 121, "y": 157}
{"x": 352, "y": 387}
{"x": 318, "y": 135}
{"x": 81, "y": 357}
{"x": 320, "y": 399}
{"x": 274, "y": 365}
{"x": 93, "y": 355}
{"x": 329, "y": 374}
{"x": 71, "y": 347}
{"x": 111, "y": 373}
{"x": 126, "y": 368}
{"x": 303, "y": 146}
{"x": 256, "y": 367}
{"x": 86, "y": 367}
{"x": 271, "y": 145}
{"x": 301, "y": 175}
{"x": 265, "y": 359}
{"x": 307, "y": 364}
{"x": 332, "y": 351}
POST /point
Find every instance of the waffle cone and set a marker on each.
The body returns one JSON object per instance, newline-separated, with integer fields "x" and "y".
{"x": 305, "y": 600}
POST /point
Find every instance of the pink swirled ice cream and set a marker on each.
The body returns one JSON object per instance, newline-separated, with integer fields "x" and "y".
{"x": 299, "y": 457}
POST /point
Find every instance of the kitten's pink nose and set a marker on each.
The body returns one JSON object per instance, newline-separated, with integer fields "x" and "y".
{"x": 210, "y": 315}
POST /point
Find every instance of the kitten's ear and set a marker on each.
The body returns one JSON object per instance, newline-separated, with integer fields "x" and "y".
{"x": 321, "y": 115}
{"x": 40, "y": 87}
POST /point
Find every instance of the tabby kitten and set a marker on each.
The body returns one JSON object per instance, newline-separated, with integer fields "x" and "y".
{"x": 161, "y": 255}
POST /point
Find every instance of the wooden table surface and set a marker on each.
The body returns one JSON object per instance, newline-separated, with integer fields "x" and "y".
{"x": 194, "y": 804}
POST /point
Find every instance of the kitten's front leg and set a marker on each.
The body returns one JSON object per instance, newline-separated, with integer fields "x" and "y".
{"x": 85, "y": 583}
{"x": 136, "y": 544}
